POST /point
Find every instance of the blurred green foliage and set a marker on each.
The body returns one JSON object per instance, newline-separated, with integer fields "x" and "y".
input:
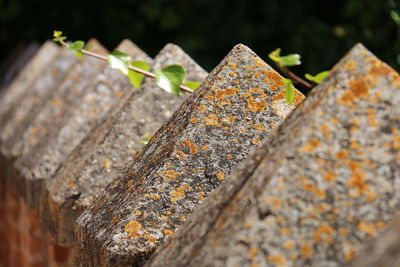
{"x": 320, "y": 31}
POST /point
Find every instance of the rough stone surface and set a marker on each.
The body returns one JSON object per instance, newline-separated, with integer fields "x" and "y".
{"x": 37, "y": 160}
{"x": 14, "y": 94}
{"x": 320, "y": 187}
{"x": 110, "y": 88}
{"x": 382, "y": 251}
{"x": 240, "y": 102}
{"x": 105, "y": 152}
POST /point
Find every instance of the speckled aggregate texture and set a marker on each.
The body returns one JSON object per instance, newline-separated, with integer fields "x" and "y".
{"x": 213, "y": 130}
{"x": 38, "y": 94}
{"x": 320, "y": 187}
{"x": 13, "y": 95}
{"x": 105, "y": 151}
{"x": 110, "y": 88}
{"x": 37, "y": 160}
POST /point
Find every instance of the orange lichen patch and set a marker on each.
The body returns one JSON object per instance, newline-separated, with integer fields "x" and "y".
{"x": 358, "y": 89}
{"x": 192, "y": 146}
{"x": 168, "y": 232}
{"x": 325, "y": 130}
{"x": 179, "y": 192}
{"x": 380, "y": 225}
{"x": 233, "y": 66}
{"x": 371, "y": 118}
{"x": 202, "y": 108}
{"x": 201, "y": 195}
{"x": 285, "y": 231}
{"x": 194, "y": 120}
{"x": 335, "y": 120}
{"x": 242, "y": 130}
{"x": 278, "y": 260}
{"x": 155, "y": 197}
{"x": 255, "y": 106}
{"x": 56, "y": 102}
{"x": 224, "y": 102}
{"x": 306, "y": 251}
{"x": 354, "y": 144}
{"x": 342, "y": 154}
{"x": 379, "y": 68}
{"x": 204, "y": 147}
{"x": 351, "y": 64}
{"x": 349, "y": 253}
{"x": 274, "y": 78}
{"x": 249, "y": 67}
{"x": 288, "y": 244}
{"x": 212, "y": 120}
{"x": 311, "y": 145}
{"x": 209, "y": 97}
{"x": 222, "y": 93}
{"x": 182, "y": 218}
{"x": 180, "y": 155}
{"x": 368, "y": 228}
{"x": 232, "y": 74}
{"x": 259, "y": 62}
{"x": 274, "y": 202}
{"x": 133, "y": 228}
{"x": 170, "y": 174}
{"x": 256, "y": 141}
{"x": 106, "y": 164}
{"x": 229, "y": 156}
{"x": 253, "y": 252}
{"x": 329, "y": 176}
{"x": 151, "y": 239}
{"x": 343, "y": 231}
{"x": 138, "y": 213}
{"x": 371, "y": 195}
{"x": 324, "y": 233}
{"x": 248, "y": 74}
{"x": 357, "y": 181}
{"x": 258, "y": 127}
{"x": 220, "y": 176}
{"x": 315, "y": 190}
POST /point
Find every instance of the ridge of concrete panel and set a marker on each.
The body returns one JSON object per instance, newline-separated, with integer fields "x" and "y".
{"x": 233, "y": 110}
{"x": 317, "y": 190}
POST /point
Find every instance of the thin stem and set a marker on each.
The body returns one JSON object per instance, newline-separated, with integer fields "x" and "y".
{"x": 295, "y": 78}
{"x": 146, "y": 73}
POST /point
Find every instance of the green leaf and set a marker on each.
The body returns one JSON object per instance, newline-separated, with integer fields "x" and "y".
{"x": 79, "y": 54}
{"x": 89, "y": 46}
{"x": 135, "y": 77}
{"x": 77, "y": 45}
{"x": 289, "y": 60}
{"x": 192, "y": 84}
{"x": 119, "y": 61}
{"x": 145, "y": 140}
{"x": 289, "y": 91}
{"x": 317, "y": 78}
{"x": 170, "y": 78}
{"x": 57, "y": 34}
{"x": 275, "y": 55}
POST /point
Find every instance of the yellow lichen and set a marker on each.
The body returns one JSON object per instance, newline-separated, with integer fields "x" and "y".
{"x": 182, "y": 218}
{"x": 255, "y": 106}
{"x": 194, "y": 120}
{"x": 324, "y": 233}
{"x": 311, "y": 145}
{"x": 192, "y": 146}
{"x": 306, "y": 251}
{"x": 138, "y": 213}
{"x": 258, "y": 127}
{"x": 229, "y": 156}
{"x": 132, "y": 228}
{"x": 221, "y": 175}
{"x": 168, "y": 232}
{"x": 212, "y": 120}
{"x": 278, "y": 260}
{"x": 201, "y": 195}
{"x": 253, "y": 252}
{"x": 170, "y": 174}
{"x": 367, "y": 228}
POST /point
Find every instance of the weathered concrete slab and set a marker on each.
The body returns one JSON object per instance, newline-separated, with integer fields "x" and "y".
{"x": 14, "y": 94}
{"x": 317, "y": 190}
{"x": 38, "y": 94}
{"x": 110, "y": 88}
{"x": 382, "y": 251}
{"x": 105, "y": 152}
{"x": 32, "y": 146}
{"x": 239, "y": 103}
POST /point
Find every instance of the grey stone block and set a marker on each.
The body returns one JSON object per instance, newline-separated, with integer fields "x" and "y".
{"x": 317, "y": 190}
{"x": 234, "y": 109}
{"x": 36, "y": 161}
{"x": 110, "y": 88}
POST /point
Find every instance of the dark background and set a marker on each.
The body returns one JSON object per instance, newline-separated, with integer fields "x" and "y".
{"x": 321, "y": 31}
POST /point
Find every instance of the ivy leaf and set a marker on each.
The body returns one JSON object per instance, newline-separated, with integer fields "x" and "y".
{"x": 317, "y": 78}
{"x": 192, "y": 84}
{"x": 289, "y": 60}
{"x": 119, "y": 60}
{"x": 289, "y": 91}
{"x": 395, "y": 16}
{"x": 77, "y": 45}
{"x": 79, "y": 54}
{"x": 170, "y": 78}
{"x": 135, "y": 77}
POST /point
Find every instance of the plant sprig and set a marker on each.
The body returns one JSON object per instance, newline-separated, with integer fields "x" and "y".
{"x": 171, "y": 78}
